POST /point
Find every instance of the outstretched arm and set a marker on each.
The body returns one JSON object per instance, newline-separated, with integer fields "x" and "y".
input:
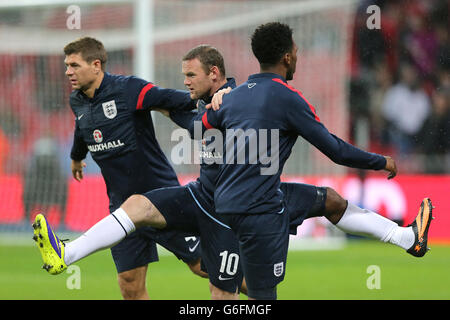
{"x": 306, "y": 123}
{"x": 143, "y": 95}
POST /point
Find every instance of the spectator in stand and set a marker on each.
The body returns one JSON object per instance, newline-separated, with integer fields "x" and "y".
{"x": 369, "y": 43}
{"x": 391, "y": 21}
{"x": 405, "y": 108}
{"x": 421, "y": 41}
{"x": 443, "y": 47}
{"x": 443, "y": 76}
{"x": 383, "y": 81}
{"x": 434, "y": 138}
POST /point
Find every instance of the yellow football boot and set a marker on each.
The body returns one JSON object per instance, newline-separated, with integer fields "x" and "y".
{"x": 51, "y": 248}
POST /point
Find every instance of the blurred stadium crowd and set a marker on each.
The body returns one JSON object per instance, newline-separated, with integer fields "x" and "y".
{"x": 400, "y": 82}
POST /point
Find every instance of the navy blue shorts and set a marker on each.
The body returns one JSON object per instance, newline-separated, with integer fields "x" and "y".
{"x": 264, "y": 238}
{"x": 139, "y": 247}
{"x": 185, "y": 209}
{"x": 302, "y": 201}
{"x": 263, "y": 244}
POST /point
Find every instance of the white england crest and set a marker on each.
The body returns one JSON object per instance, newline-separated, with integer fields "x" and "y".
{"x": 278, "y": 269}
{"x": 109, "y": 109}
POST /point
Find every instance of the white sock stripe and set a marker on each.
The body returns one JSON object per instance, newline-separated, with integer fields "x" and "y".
{"x": 124, "y": 230}
{"x": 124, "y": 220}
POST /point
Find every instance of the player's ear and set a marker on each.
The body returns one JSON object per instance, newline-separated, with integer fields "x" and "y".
{"x": 287, "y": 59}
{"x": 97, "y": 65}
{"x": 214, "y": 72}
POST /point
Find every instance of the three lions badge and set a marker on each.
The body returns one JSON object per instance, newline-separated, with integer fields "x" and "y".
{"x": 110, "y": 109}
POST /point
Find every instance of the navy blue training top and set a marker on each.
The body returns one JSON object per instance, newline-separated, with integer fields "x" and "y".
{"x": 116, "y": 127}
{"x": 267, "y": 110}
{"x": 208, "y": 168}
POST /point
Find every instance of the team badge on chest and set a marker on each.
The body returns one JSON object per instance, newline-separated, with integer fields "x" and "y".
{"x": 110, "y": 109}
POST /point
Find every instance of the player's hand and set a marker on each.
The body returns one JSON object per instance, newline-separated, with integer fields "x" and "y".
{"x": 390, "y": 167}
{"x": 217, "y": 99}
{"x": 163, "y": 111}
{"x": 77, "y": 169}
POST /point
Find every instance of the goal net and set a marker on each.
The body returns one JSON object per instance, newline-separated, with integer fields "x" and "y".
{"x": 148, "y": 39}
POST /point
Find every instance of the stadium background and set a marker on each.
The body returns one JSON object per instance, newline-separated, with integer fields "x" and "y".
{"x": 345, "y": 70}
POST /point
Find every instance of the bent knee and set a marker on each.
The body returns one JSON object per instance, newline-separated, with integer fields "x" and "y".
{"x": 335, "y": 205}
{"x": 132, "y": 285}
{"x": 137, "y": 201}
{"x": 219, "y": 294}
{"x": 334, "y": 200}
{"x": 142, "y": 212}
{"x": 195, "y": 267}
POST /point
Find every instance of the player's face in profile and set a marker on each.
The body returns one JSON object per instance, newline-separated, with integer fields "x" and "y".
{"x": 195, "y": 79}
{"x": 293, "y": 65}
{"x": 81, "y": 74}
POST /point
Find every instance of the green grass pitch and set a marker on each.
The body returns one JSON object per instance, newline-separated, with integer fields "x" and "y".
{"x": 333, "y": 274}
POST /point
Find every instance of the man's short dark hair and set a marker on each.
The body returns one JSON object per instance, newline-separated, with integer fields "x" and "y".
{"x": 90, "y": 49}
{"x": 208, "y": 56}
{"x": 270, "y": 41}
